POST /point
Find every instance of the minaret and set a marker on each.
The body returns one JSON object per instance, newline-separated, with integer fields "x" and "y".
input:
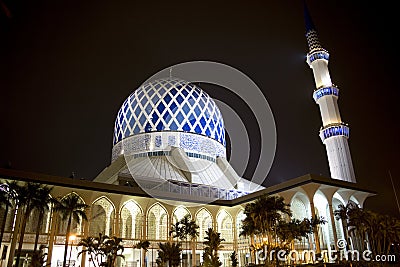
{"x": 334, "y": 133}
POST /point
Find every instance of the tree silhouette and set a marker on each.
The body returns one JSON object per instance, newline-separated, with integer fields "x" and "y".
{"x": 70, "y": 207}
{"x": 91, "y": 247}
{"x": 103, "y": 250}
{"x": 261, "y": 221}
{"x": 112, "y": 248}
{"x": 169, "y": 254}
{"x": 341, "y": 213}
{"x": 211, "y": 247}
{"x": 42, "y": 204}
{"x": 27, "y": 194}
{"x": 7, "y": 201}
{"x": 234, "y": 260}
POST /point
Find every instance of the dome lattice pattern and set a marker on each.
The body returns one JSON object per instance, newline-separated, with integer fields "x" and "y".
{"x": 169, "y": 105}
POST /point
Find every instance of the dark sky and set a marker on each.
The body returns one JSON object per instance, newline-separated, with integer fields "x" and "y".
{"x": 67, "y": 66}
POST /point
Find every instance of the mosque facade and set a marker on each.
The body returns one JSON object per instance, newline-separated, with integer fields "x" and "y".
{"x": 169, "y": 161}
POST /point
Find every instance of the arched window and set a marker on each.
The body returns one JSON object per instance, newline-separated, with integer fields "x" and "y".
{"x": 76, "y": 228}
{"x": 179, "y": 213}
{"x": 239, "y": 222}
{"x": 33, "y": 220}
{"x": 225, "y": 225}
{"x": 299, "y": 208}
{"x": 338, "y": 223}
{"x": 131, "y": 220}
{"x": 101, "y": 217}
{"x": 157, "y": 223}
{"x": 204, "y": 221}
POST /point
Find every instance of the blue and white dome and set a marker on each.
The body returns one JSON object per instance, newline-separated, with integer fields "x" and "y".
{"x": 169, "y": 105}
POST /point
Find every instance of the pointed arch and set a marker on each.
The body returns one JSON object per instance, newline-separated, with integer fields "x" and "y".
{"x": 336, "y": 201}
{"x": 225, "y": 225}
{"x": 204, "y": 220}
{"x": 131, "y": 220}
{"x": 157, "y": 222}
{"x": 76, "y": 228}
{"x": 180, "y": 212}
{"x": 339, "y": 198}
{"x": 355, "y": 200}
{"x": 74, "y": 193}
{"x": 101, "y": 216}
{"x": 32, "y": 221}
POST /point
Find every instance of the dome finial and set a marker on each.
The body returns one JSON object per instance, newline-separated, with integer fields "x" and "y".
{"x": 311, "y": 32}
{"x": 307, "y": 19}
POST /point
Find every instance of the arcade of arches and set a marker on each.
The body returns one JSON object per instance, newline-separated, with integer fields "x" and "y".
{"x": 136, "y": 218}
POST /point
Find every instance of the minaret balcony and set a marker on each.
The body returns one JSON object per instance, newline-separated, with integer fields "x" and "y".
{"x": 324, "y": 91}
{"x": 318, "y": 54}
{"x": 332, "y": 130}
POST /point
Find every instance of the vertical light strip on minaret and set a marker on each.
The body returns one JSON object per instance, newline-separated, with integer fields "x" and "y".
{"x": 334, "y": 133}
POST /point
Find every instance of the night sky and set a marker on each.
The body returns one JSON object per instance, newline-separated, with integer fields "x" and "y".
{"x": 67, "y": 66}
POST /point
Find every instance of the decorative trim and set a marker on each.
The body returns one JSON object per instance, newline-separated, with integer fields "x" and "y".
{"x": 330, "y": 90}
{"x": 195, "y": 145}
{"x": 317, "y": 55}
{"x": 334, "y": 130}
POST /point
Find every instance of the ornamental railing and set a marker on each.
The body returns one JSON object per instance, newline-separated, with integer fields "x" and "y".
{"x": 334, "y": 130}
{"x": 320, "y": 54}
{"x": 197, "y": 190}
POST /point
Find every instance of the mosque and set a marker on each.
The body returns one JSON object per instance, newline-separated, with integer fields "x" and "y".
{"x": 169, "y": 160}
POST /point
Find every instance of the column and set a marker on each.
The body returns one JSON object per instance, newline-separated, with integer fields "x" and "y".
{"x": 144, "y": 237}
{"x": 13, "y": 243}
{"x": 333, "y": 223}
{"x": 316, "y": 235}
{"x": 53, "y": 232}
{"x": 84, "y": 234}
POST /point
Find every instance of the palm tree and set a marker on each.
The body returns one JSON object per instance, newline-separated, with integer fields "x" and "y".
{"x": 70, "y": 208}
{"x": 234, "y": 260}
{"x": 288, "y": 232}
{"x": 315, "y": 223}
{"x": 263, "y": 214}
{"x": 176, "y": 230}
{"x": 169, "y": 254}
{"x": 41, "y": 203}
{"x": 183, "y": 234}
{"x": 102, "y": 250}
{"x": 144, "y": 246}
{"x": 112, "y": 249}
{"x": 342, "y": 213}
{"x": 380, "y": 231}
{"x": 90, "y": 246}
{"x": 359, "y": 222}
{"x": 186, "y": 229}
{"x": 211, "y": 247}
{"x": 192, "y": 230}
{"x": 27, "y": 195}
{"x": 7, "y": 200}
{"x": 249, "y": 230}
